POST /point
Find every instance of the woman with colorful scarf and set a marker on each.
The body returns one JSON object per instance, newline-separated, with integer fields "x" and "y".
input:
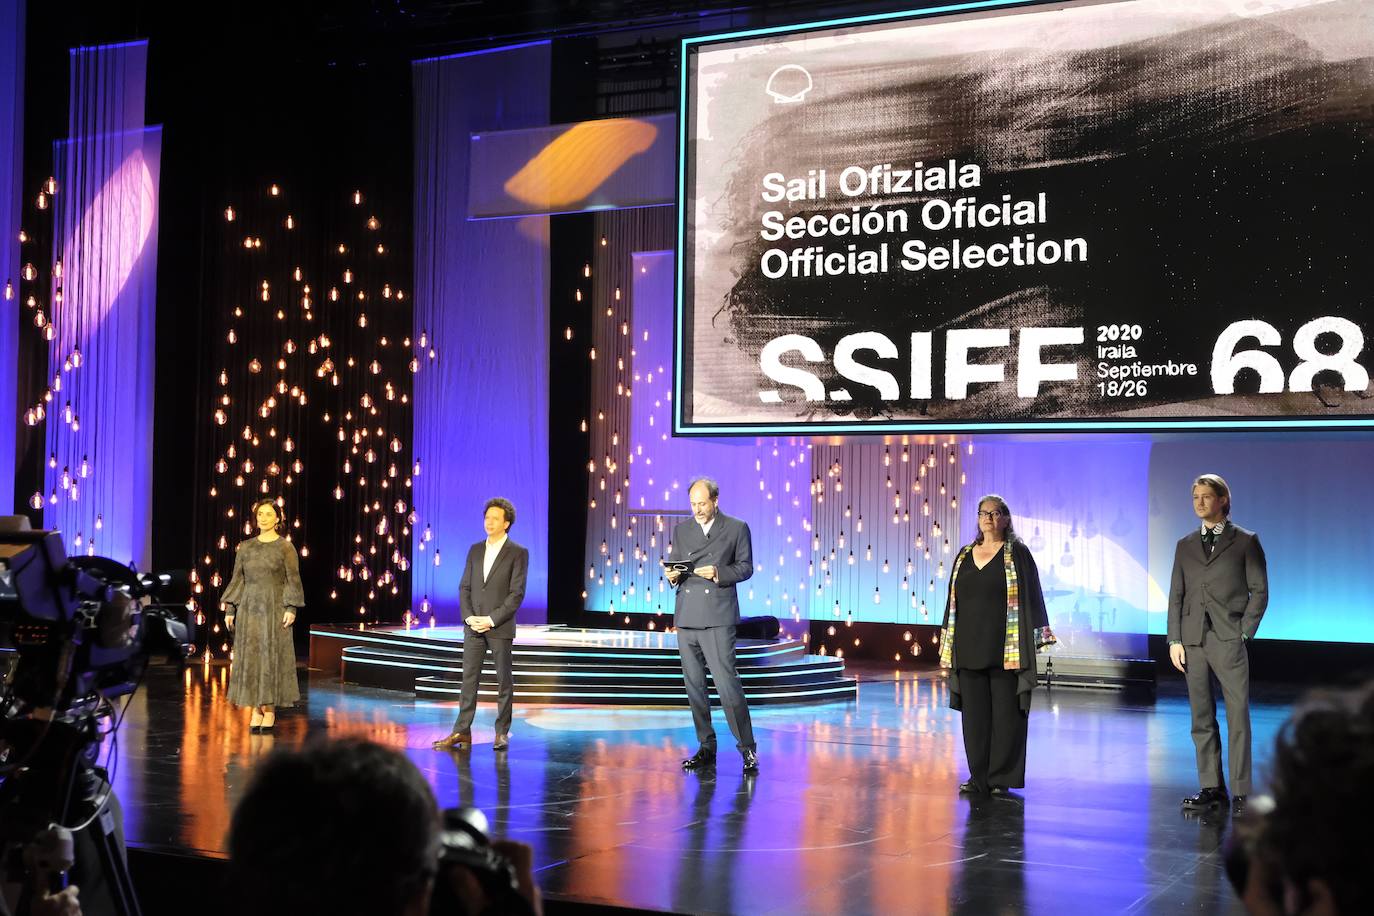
{"x": 994, "y": 594}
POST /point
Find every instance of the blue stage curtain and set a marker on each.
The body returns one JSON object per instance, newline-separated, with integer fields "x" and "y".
{"x": 481, "y": 400}
{"x": 11, "y": 176}
{"x": 100, "y": 420}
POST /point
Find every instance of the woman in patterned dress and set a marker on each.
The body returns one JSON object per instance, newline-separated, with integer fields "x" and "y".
{"x": 260, "y": 604}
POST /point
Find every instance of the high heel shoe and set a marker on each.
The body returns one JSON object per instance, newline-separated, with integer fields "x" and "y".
{"x": 269, "y": 719}
{"x": 255, "y": 723}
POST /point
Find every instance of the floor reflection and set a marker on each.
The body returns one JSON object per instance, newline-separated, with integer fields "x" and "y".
{"x": 855, "y": 810}
{"x": 991, "y": 874}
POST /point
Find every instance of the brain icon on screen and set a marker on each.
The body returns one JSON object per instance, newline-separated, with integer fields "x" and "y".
{"x": 789, "y": 83}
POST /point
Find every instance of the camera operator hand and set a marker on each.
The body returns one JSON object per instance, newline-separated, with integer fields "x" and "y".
{"x": 63, "y": 903}
{"x": 466, "y": 887}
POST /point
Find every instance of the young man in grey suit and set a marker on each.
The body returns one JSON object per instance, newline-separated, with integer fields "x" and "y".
{"x": 490, "y": 592}
{"x": 719, "y": 555}
{"x": 1219, "y": 591}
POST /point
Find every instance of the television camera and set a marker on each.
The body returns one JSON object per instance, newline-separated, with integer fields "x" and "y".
{"x": 75, "y": 633}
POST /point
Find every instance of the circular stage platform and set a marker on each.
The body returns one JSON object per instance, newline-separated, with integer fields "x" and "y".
{"x": 556, "y": 664}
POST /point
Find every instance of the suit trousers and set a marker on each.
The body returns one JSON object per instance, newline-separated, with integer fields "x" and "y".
{"x": 475, "y": 646}
{"x": 995, "y": 728}
{"x": 714, "y": 648}
{"x": 1229, "y": 660}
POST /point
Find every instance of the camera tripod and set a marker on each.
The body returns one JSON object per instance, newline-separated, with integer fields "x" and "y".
{"x": 59, "y": 784}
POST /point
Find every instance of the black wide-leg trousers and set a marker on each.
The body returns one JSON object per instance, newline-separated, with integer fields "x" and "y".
{"x": 994, "y": 728}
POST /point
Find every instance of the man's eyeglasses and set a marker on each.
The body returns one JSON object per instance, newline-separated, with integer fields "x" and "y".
{"x": 990, "y": 513}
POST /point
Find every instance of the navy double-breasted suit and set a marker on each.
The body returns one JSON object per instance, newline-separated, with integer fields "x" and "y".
{"x": 705, "y": 614}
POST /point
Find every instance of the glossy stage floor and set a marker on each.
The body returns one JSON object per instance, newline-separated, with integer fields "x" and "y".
{"x": 855, "y": 810}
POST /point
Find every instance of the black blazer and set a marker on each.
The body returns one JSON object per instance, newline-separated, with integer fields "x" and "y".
{"x": 729, "y": 548}
{"x": 500, "y": 595}
{"x": 1230, "y": 587}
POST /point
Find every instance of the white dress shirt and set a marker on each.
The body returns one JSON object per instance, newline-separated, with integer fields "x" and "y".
{"x": 490, "y": 556}
{"x": 706, "y": 528}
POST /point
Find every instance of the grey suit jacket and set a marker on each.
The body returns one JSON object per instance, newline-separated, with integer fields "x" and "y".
{"x": 701, "y": 602}
{"x": 500, "y": 595}
{"x": 1230, "y": 587}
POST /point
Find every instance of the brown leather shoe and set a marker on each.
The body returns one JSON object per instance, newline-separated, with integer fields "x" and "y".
{"x": 454, "y": 740}
{"x": 502, "y": 742}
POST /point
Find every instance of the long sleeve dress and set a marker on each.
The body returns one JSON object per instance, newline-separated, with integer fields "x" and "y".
{"x": 266, "y": 581}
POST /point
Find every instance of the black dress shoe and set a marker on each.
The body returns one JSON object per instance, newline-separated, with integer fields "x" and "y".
{"x": 1208, "y": 797}
{"x": 751, "y": 761}
{"x": 704, "y": 757}
{"x": 1000, "y": 790}
{"x": 970, "y": 788}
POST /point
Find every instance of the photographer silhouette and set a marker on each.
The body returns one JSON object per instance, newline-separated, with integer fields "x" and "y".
{"x": 350, "y": 827}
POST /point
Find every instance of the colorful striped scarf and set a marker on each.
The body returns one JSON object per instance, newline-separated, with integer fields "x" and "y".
{"x": 1011, "y": 649}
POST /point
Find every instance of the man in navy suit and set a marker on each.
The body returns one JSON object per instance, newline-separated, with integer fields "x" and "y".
{"x": 719, "y": 556}
{"x": 1217, "y": 597}
{"x": 490, "y": 593}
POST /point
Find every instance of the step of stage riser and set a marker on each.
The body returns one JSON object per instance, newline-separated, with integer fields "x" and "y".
{"x": 837, "y": 694}
{"x": 526, "y": 664}
{"x": 575, "y": 658}
{"x": 761, "y": 654}
{"x": 405, "y": 679}
{"x": 665, "y": 671}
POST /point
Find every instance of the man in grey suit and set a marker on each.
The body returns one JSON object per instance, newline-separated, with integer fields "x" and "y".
{"x": 1218, "y": 594}
{"x": 718, "y": 555}
{"x": 490, "y": 592}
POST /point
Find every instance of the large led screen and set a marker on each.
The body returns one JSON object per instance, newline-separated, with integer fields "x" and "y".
{"x": 1137, "y": 215}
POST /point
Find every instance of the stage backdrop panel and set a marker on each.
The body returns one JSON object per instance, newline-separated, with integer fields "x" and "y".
{"x": 481, "y": 307}
{"x": 1148, "y": 214}
{"x": 99, "y": 425}
{"x": 1307, "y": 500}
{"x": 11, "y": 194}
{"x": 1080, "y": 504}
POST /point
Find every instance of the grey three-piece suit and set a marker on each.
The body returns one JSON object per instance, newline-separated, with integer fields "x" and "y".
{"x": 706, "y": 614}
{"x": 1214, "y": 601}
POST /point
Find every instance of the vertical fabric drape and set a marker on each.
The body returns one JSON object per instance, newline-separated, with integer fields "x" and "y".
{"x": 481, "y": 401}
{"x": 100, "y": 356}
{"x": 11, "y": 177}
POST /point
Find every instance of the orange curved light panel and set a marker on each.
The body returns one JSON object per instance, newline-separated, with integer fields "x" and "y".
{"x": 578, "y": 161}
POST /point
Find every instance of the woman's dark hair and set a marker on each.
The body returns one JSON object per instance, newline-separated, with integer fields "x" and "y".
{"x": 1010, "y": 532}
{"x": 269, "y": 501}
